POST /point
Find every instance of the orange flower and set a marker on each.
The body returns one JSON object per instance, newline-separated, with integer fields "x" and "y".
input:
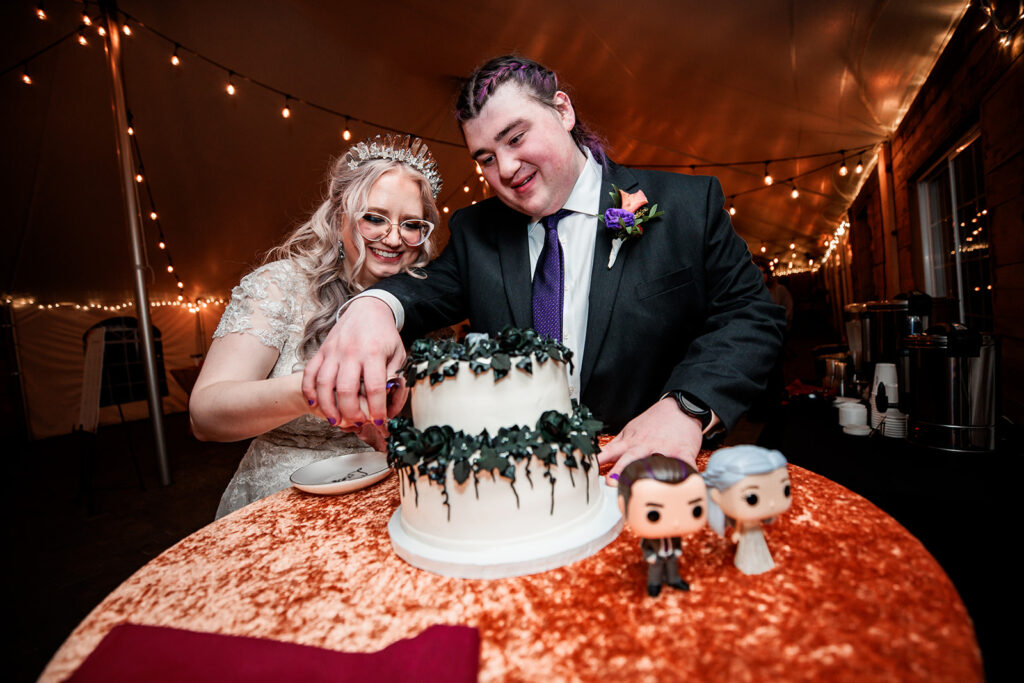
{"x": 632, "y": 202}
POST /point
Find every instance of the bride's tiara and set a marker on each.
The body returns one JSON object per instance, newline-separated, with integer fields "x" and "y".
{"x": 410, "y": 151}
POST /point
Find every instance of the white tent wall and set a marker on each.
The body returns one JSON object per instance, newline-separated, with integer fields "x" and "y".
{"x": 51, "y": 357}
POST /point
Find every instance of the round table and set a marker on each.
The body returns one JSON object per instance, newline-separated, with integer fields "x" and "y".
{"x": 853, "y": 596}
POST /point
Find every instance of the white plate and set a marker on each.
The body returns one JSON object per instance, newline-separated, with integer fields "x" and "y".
{"x": 857, "y": 430}
{"x": 342, "y": 473}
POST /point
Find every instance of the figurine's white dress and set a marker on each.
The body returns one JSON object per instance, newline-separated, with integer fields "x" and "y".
{"x": 752, "y": 553}
{"x": 271, "y": 304}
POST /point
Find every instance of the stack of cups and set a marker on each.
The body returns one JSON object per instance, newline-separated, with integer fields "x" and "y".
{"x": 895, "y": 422}
{"x": 852, "y": 414}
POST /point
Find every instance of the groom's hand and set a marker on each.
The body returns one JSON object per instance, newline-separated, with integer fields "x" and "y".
{"x": 362, "y": 350}
{"x": 662, "y": 428}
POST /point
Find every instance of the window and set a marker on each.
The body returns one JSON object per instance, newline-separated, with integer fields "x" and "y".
{"x": 955, "y": 234}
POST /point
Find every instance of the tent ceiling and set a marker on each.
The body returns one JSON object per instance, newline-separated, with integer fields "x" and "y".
{"x": 666, "y": 81}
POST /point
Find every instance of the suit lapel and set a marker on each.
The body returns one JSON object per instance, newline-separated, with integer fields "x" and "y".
{"x": 514, "y": 255}
{"x": 604, "y": 281}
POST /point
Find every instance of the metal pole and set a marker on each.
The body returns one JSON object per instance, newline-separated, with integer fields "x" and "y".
{"x": 131, "y": 200}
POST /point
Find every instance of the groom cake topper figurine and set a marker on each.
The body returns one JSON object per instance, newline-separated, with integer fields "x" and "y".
{"x": 670, "y": 323}
{"x": 662, "y": 499}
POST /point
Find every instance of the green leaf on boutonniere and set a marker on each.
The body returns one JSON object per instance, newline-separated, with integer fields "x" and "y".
{"x": 461, "y": 470}
{"x": 525, "y": 364}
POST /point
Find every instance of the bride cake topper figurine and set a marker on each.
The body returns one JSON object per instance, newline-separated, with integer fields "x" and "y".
{"x": 748, "y": 487}
{"x": 662, "y": 499}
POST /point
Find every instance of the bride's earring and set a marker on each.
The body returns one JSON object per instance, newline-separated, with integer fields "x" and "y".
{"x": 341, "y": 250}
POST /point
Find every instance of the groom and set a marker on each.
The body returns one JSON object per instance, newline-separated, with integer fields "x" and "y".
{"x": 673, "y": 337}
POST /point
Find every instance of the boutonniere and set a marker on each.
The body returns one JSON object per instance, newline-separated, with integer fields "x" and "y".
{"x": 626, "y": 219}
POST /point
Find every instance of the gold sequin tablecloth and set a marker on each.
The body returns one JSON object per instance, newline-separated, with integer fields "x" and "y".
{"x": 853, "y": 597}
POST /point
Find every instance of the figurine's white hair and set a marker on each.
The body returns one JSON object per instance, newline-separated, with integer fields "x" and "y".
{"x": 727, "y": 466}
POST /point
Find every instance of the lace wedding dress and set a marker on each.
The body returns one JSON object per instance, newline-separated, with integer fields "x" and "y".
{"x": 271, "y": 304}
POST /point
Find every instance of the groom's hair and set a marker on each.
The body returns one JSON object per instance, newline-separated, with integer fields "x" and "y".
{"x": 536, "y": 79}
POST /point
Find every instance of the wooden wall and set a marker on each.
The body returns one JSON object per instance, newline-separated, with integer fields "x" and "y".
{"x": 976, "y": 82}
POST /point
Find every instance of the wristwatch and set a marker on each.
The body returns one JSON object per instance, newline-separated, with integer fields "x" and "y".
{"x": 693, "y": 407}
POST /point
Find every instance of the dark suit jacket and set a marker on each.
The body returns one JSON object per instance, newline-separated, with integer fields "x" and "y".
{"x": 683, "y": 308}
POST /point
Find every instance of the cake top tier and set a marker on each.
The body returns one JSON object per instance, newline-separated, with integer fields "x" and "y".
{"x": 428, "y": 357}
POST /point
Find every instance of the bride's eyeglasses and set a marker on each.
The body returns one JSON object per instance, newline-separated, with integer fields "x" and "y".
{"x": 375, "y": 227}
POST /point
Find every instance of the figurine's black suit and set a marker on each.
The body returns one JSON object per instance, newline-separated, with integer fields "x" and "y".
{"x": 663, "y": 569}
{"x": 682, "y": 308}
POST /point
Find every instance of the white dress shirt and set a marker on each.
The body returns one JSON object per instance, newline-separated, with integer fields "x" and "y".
{"x": 577, "y": 232}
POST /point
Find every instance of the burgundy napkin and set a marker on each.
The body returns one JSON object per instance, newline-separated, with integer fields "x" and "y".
{"x": 156, "y": 653}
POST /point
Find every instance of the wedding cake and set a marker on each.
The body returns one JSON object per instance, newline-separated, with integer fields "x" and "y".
{"x": 497, "y": 468}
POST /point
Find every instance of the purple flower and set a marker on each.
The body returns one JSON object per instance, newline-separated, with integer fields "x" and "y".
{"x": 613, "y": 216}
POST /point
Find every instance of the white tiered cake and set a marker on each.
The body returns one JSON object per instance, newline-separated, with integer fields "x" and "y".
{"x": 498, "y": 472}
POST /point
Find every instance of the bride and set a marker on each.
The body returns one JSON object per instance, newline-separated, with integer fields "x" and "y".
{"x": 375, "y": 221}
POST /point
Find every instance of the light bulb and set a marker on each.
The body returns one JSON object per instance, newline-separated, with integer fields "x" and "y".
{"x": 763, "y": 249}
{"x": 82, "y": 40}
{"x": 841, "y": 231}
{"x": 41, "y": 13}
{"x": 170, "y": 269}
{"x": 162, "y": 244}
{"x": 131, "y": 130}
{"x": 174, "y": 58}
{"x": 768, "y": 180}
{"x": 86, "y": 21}
{"x": 100, "y": 30}
{"x": 859, "y": 168}
{"x": 792, "y": 246}
{"x": 445, "y": 209}
{"x": 286, "y": 112}
{"x": 481, "y": 178}
{"x": 732, "y": 210}
{"x": 181, "y": 298}
{"x": 465, "y": 188}
{"x": 181, "y": 285}
{"x": 139, "y": 178}
{"x": 843, "y": 170}
{"x": 346, "y": 134}
{"x": 230, "y": 88}
{"x": 26, "y": 79}
{"x": 795, "y": 193}
{"x": 152, "y": 215}
{"x": 127, "y": 30}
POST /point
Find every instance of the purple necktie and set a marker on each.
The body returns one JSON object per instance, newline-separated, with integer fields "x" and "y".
{"x": 549, "y": 280}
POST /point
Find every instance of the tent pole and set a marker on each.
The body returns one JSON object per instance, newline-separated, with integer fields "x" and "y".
{"x": 124, "y": 156}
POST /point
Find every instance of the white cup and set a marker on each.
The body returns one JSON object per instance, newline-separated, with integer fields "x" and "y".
{"x": 885, "y": 372}
{"x": 853, "y": 414}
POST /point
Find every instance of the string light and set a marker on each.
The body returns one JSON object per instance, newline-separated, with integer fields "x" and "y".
{"x": 25, "y": 78}
{"x": 230, "y": 89}
{"x": 161, "y": 244}
{"x": 131, "y": 131}
{"x": 86, "y": 20}
{"x": 768, "y": 180}
{"x": 286, "y": 112}
{"x": 40, "y": 12}
{"x": 346, "y": 134}
{"x": 82, "y": 39}
{"x": 102, "y": 31}
{"x": 842, "y": 169}
{"x": 763, "y": 248}
{"x": 859, "y": 168}
{"x": 139, "y": 178}
{"x": 792, "y": 246}
{"x": 126, "y": 29}
{"x": 174, "y": 56}
{"x": 170, "y": 268}
{"x": 465, "y": 188}
{"x": 732, "y": 209}
{"x": 795, "y": 193}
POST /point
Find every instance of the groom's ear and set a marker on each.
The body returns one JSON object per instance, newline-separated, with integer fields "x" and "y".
{"x": 566, "y": 112}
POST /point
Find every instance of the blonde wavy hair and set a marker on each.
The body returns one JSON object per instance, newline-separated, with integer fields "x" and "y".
{"x": 313, "y": 246}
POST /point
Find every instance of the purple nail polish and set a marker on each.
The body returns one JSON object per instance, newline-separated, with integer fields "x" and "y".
{"x": 332, "y": 420}
{"x": 310, "y": 401}
{"x": 378, "y": 422}
{"x": 359, "y": 424}
{"x": 614, "y": 476}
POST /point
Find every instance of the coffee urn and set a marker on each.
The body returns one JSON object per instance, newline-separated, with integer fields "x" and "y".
{"x": 952, "y": 389}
